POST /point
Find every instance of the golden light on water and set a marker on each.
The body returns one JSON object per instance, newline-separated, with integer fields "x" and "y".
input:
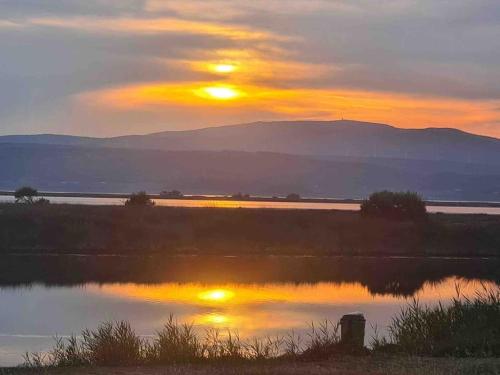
{"x": 216, "y": 295}
{"x": 249, "y": 294}
{"x": 254, "y": 309}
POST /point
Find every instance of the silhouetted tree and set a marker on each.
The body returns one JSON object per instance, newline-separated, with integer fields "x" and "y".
{"x": 140, "y": 198}
{"x": 395, "y": 205}
{"x": 25, "y": 194}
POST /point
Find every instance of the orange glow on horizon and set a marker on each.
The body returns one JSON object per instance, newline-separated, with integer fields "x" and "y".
{"x": 250, "y": 82}
{"x": 404, "y": 111}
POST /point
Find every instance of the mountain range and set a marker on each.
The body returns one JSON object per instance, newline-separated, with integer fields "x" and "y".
{"x": 314, "y": 158}
{"x": 318, "y": 138}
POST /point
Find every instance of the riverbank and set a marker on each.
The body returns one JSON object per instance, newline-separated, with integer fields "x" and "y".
{"x": 169, "y": 230}
{"x": 70, "y": 229}
{"x": 377, "y": 365}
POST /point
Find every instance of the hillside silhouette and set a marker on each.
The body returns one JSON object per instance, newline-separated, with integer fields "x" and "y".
{"x": 343, "y": 138}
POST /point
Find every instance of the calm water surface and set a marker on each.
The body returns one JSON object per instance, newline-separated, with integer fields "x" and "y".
{"x": 255, "y": 296}
{"x": 253, "y": 204}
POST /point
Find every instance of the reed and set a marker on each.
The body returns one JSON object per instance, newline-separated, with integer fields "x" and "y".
{"x": 466, "y": 327}
{"x": 117, "y": 344}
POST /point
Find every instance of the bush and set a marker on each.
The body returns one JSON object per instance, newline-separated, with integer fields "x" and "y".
{"x": 394, "y": 205}
{"x": 112, "y": 344}
{"x": 140, "y": 198}
{"x": 25, "y": 194}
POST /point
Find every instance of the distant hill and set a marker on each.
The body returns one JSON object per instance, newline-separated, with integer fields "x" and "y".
{"x": 324, "y": 139}
{"x": 103, "y": 169}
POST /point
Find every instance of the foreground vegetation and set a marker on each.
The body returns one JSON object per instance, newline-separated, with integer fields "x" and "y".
{"x": 168, "y": 230}
{"x": 466, "y": 327}
{"x": 115, "y": 344}
{"x": 346, "y": 365}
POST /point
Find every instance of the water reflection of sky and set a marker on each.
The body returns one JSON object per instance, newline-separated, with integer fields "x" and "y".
{"x": 30, "y": 316}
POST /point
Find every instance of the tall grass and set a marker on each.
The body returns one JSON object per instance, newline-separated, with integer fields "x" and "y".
{"x": 175, "y": 343}
{"x": 467, "y": 327}
{"x": 112, "y": 344}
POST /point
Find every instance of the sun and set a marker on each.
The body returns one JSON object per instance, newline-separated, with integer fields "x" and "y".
{"x": 223, "y": 68}
{"x": 218, "y": 92}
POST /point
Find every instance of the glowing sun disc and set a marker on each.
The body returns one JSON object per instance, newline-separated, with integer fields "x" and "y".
{"x": 219, "y": 92}
{"x": 223, "y": 68}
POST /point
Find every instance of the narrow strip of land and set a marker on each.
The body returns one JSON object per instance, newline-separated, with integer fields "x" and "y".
{"x": 431, "y": 203}
{"x": 74, "y": 229}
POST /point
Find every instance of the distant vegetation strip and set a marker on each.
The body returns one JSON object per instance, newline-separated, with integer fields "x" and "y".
{"x": 245, "y": 197}
{"x": 138, "y": 230}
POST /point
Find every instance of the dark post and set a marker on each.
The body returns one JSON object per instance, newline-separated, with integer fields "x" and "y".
{"x": 352, "y": 330}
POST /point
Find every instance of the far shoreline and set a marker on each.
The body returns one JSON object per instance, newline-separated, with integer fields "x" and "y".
{"x": 222, "y": 197}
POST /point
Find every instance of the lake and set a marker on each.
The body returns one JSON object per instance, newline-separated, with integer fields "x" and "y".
{"x": 219, "y": 203}
{"x": 42, "y": 296}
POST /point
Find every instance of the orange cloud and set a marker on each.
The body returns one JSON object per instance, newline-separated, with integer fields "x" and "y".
{"x": 156, "y": 26}
{"x": 298, "y": 103}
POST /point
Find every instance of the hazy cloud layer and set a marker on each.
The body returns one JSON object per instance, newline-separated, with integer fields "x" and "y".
{"x": 98, "y": 67}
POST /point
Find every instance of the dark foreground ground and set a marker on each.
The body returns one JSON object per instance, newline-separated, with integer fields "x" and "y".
{"x": 337, "y": 366}
{"x": 79, "y": 229}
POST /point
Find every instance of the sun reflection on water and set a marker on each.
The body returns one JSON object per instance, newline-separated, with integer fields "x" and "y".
{"x": 216, "y": 295}
{"x": 260, "y": 309}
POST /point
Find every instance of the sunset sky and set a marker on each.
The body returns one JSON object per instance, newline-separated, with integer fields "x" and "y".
{"x": 101, "y": 68}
